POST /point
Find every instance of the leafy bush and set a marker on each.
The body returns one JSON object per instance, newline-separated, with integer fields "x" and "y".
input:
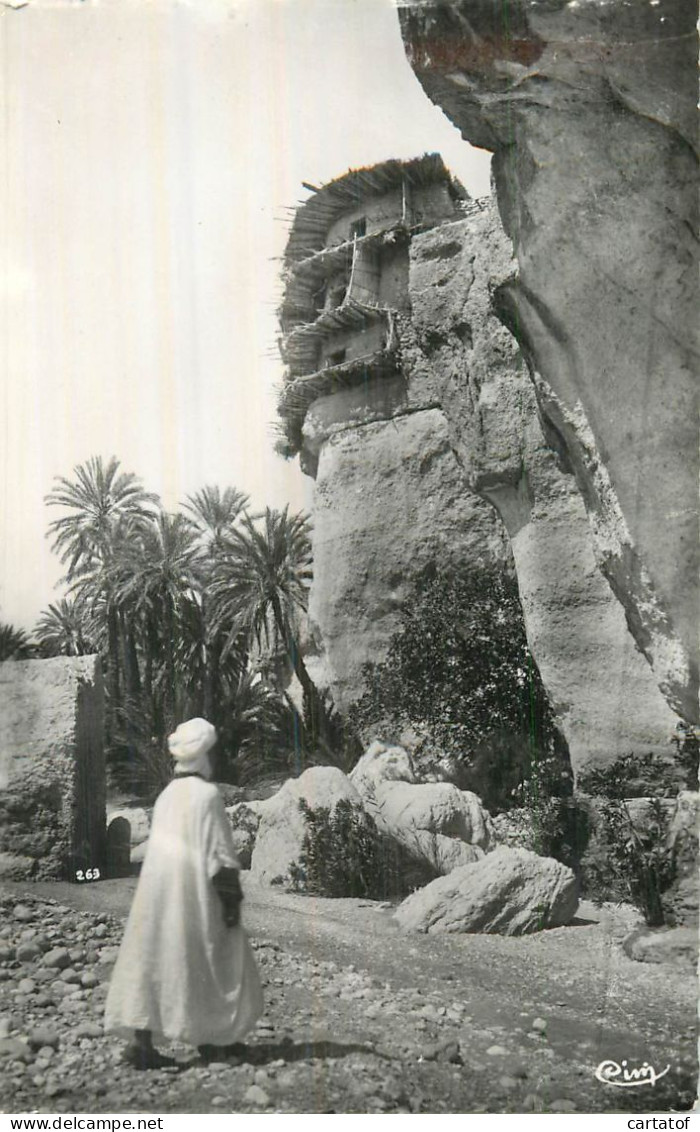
{"x": 640, "y": 776}
{"x": 283, "y": 741}
{"x": 344, "y": 854}
{"x": 460, "y": 671}
{"x": 141, "y": 763}
{"x": 638, "y": 861}
{"x": 635, "y": 859}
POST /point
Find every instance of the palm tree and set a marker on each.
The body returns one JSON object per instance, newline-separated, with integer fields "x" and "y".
{"x": 156, "y": 575}
{"x": 259, "y": 585}
{"x": 64, "y": 629}
{"x": 14, "y": 643}
{"x": 105, "y": 509}
{"x": 214, "y": 515}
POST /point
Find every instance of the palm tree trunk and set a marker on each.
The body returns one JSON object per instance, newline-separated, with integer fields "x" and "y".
{"x": 113, "y": 682}
{"x": 312, "y": 697}
{"x": 169, "y": 695}
{"x": 132, "y": 675}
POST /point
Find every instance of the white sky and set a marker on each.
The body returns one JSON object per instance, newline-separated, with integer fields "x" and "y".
{"x": 150, "y": 151}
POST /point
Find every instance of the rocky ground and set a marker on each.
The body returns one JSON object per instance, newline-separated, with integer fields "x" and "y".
{"x": 360, "y": 1018}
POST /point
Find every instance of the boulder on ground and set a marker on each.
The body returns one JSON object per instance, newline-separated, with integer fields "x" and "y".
{"x": 675, "y": 946}
{"x": 680, "y": 901}
{"x": 434, "y": 820}
{"x": 282, "y": 826}
{"x": 446, "y": 853}
{"x": 379, "y": 765}
{"x": 438, "y": 807}
{"x": 508, "y": 892}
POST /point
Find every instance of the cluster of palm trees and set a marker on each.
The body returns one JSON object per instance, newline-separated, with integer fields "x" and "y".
{"x": 194, "y": 613}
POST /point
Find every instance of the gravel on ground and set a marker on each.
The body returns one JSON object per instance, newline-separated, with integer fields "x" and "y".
{"x": 360, "y": 1018}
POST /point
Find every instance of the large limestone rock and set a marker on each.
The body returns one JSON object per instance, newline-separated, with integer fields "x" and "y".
{"x": 390, "y": 505}
{"x": 436, "y": 807}
{"x": 508, "y": 892}
{"x": 396, "y": 487}
{"x": 590, "y": 109}
{"x": 606, "y": 699}
{"x": 680, "y": 903}
{"x": 677, "y": 947}
{"x": 52, "y": 770}
{"x": 280, "y": 834}
{"x": 380, "y": 765}
{"x": 445, "y": 826}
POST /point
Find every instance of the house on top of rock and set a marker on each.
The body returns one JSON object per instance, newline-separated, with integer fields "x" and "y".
{"x": 411, "y": 405}
{"x": 346, "y": 269}
{"x": 391, "y": 503}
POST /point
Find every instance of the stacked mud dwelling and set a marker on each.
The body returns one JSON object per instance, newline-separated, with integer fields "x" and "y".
{"x": 411, "y": 404}
{"x": 391, "y": 502}
{"x": 347, "y": 282}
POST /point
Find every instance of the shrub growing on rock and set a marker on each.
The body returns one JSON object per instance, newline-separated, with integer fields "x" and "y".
{"x": 460, "y": 671}
{"x": 344, "y": 854}
{"x": 636, "y": 858}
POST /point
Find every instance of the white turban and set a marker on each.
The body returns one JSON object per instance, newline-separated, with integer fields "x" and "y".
{"x": 191, "y": 740}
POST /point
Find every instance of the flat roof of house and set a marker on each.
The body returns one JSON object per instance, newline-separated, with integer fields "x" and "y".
{"x": 314, "y": 218}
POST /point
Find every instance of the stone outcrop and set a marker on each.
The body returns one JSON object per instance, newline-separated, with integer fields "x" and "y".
{"x": 391, "y": 504}
{"x": 605, "y": 697}
{"x": 590, "y": 110}
{"x": 280, "y": 834}
{"x": 508, "y": 892}
{"x": 680, "y": 903}
{"x": 677, "y": 947}
{"x": 52, "y": 769}
{"x": 445, "y": 826}
{"x": 380, "y": 765}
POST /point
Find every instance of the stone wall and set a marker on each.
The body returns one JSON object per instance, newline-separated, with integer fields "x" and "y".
{"x": 52, "y": 770}
{"x": 590, "y": 109}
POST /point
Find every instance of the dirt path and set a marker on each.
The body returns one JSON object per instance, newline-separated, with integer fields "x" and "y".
{"x": 363, "y": 1018}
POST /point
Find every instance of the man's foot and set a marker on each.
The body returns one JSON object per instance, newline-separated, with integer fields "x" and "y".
{"x": 145, "y": 1057}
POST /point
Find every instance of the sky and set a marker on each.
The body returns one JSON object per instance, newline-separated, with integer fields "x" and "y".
{"x": 151, "y": 153}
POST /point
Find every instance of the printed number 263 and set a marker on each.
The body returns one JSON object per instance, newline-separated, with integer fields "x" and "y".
{"x": 87, "y": 874}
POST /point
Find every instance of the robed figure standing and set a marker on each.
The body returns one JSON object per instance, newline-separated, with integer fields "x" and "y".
{"x": 185, "y": 969}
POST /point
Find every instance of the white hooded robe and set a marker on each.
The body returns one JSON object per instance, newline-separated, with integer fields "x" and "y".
{"x": 181, "y": 972}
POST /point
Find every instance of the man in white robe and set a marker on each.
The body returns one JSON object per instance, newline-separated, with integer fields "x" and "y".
{"x": 185, "y": 968}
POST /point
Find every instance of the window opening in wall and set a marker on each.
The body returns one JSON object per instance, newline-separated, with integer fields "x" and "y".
{"x": 358, "y": 228}
{"x": 319, "y": 298}
{"x": 337, "y": 295}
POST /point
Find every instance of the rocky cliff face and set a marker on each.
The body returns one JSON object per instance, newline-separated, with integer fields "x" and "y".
{"x": 589, "y": 107}
{"x": 391, "y": 504}
{"x": 605, "y": 697}
{"x": 434, "y": 468}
